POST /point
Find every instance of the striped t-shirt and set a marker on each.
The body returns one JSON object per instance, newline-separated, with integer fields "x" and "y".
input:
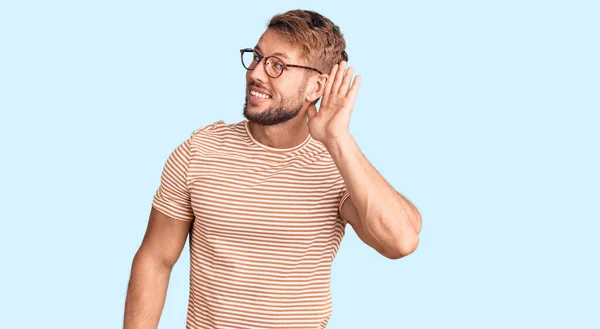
{"x": 266, "y": 227}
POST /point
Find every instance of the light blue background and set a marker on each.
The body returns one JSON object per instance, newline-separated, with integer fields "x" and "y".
{"x": 484, "y": 114}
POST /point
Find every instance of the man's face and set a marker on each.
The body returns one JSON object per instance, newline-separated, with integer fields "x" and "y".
{"x": 285, "y": 94}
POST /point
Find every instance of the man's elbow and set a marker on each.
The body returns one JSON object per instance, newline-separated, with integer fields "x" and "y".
{"x": 416, "y": 221}
{"x": 403, "y": 248}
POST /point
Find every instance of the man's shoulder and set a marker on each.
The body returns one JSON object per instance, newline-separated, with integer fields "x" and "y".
{"x": 218, "y": 134}
{"x": 216, "y": 127}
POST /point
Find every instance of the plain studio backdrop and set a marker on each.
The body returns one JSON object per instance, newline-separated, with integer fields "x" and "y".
{"x": 483, "y": 114}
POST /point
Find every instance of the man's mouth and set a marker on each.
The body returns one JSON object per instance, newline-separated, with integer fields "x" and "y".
{"x": 259, "y": 95}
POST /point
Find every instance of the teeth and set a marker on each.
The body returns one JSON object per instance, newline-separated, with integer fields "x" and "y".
{"x": 259, "y": 95}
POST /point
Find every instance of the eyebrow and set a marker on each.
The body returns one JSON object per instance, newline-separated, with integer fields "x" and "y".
{"x": 276, "y": 54}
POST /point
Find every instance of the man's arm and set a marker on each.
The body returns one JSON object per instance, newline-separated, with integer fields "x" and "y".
{"x": 151, "y": 269}
{"x": 379, "y": 215}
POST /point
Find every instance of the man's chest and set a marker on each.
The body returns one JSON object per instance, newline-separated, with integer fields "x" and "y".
{"x": 235, "y": 195}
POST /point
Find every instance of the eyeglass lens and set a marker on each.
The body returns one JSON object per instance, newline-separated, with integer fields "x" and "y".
{"x": 274, "y": 65}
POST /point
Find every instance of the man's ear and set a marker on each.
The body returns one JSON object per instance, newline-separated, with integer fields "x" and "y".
{"x": 316, "y": 87}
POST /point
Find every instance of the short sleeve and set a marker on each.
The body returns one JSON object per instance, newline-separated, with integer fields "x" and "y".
{"x": 344, "y": 196}
{"x": 173, "y": 196}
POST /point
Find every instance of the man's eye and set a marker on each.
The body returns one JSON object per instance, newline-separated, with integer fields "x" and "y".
{"x": 278, "y": 66}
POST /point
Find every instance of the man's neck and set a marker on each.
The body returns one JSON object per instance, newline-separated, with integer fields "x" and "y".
{"x": 284, "y": 135}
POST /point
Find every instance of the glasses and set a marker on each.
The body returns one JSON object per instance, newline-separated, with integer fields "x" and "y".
{"x": 274, "y": 66}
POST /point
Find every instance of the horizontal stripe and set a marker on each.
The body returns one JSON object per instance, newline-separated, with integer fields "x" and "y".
{"x": 266, "y": 227}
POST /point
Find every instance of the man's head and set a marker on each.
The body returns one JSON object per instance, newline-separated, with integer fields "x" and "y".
{"x": 302, "y": 46}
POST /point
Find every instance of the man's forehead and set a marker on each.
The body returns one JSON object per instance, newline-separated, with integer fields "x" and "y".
{"x": 279, "y": 54}
{"x": 270, "y": 43}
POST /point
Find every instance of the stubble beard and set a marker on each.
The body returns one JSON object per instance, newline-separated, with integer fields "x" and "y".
{"x": 284, "y": 110}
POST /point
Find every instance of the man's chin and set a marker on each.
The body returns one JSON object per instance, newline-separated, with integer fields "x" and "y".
{"x": 254, "y": 110}
{"x": 254, "y": 107}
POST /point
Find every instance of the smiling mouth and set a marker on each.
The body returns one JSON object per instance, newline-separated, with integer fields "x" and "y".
{"x": 259, "y": 95}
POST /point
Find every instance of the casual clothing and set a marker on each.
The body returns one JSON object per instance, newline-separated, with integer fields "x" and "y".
{"x": 266, "y": 227}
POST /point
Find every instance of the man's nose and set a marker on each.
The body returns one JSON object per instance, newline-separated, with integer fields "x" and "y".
{"x": 259, "y": 72}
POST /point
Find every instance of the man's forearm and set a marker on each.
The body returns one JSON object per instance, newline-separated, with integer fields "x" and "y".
{"x": 146, "y": 293}
{"x": 386, "y": 214}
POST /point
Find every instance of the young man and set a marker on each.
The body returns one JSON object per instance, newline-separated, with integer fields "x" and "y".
{"x": 265, "y": 201}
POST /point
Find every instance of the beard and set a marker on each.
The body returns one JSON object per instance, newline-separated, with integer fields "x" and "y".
{"x": 279, "y": 111}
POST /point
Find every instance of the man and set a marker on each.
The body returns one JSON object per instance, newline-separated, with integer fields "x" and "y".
{"x": 266, "y": 200}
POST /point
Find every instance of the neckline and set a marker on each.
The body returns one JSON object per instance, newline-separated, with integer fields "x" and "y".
{"x": 276, "y": 149}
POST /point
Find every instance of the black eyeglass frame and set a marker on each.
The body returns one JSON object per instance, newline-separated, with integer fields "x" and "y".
{"x": 261, "y": 57}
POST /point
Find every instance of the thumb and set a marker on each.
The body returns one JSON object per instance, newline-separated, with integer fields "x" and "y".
{"x": 311, "y": 111}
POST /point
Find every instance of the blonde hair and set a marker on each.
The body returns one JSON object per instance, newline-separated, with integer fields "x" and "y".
{"x": 321, "y": 42}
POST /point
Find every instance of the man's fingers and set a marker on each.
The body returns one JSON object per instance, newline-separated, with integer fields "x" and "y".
{"x": 346, "y": 82}
{"x": 339, "y": 76}
{"x": 354, "y": 90}
{"x": 330, "y": 79}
